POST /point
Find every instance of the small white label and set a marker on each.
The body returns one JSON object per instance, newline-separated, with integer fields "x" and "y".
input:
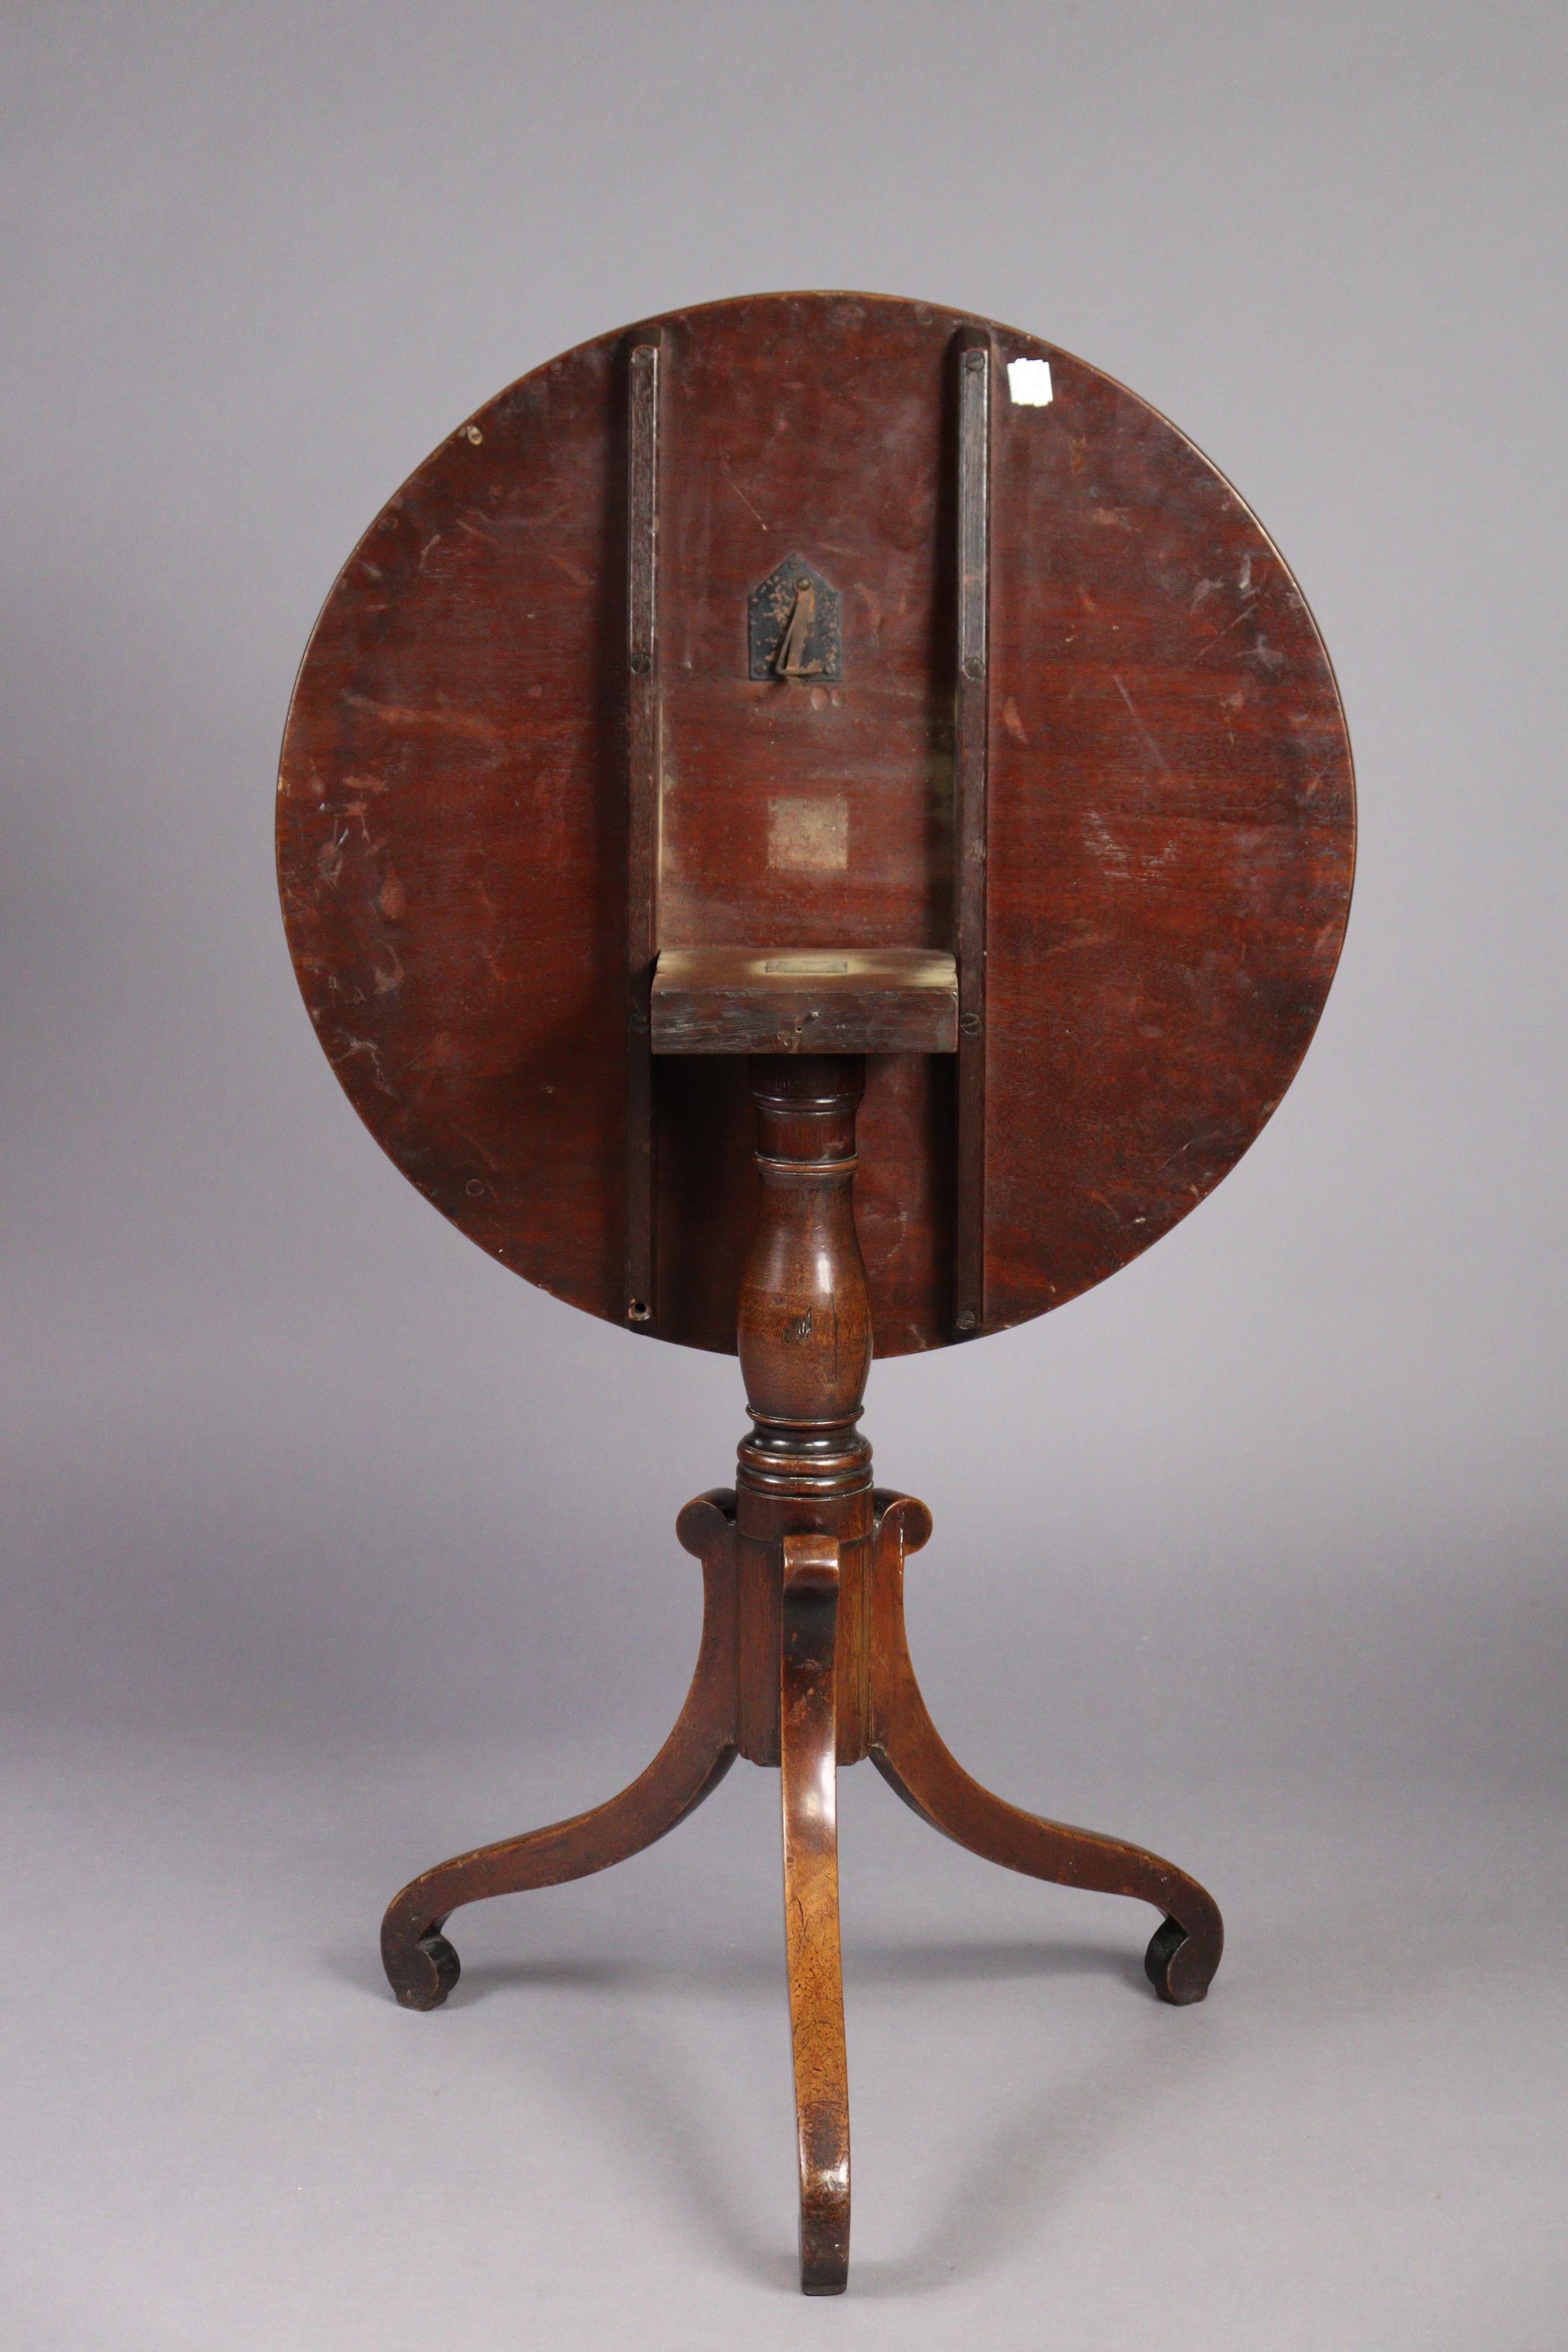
{"x": 803, "y": 967}
{"x": 1029, "y": 382}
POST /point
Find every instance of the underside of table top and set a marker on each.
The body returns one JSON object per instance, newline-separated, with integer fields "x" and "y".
{"x": 1167, "y": 816}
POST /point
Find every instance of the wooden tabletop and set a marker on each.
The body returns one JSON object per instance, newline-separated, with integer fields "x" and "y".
{"x": 1169, "y": 810}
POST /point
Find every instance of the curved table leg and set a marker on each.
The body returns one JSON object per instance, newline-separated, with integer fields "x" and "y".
{"x": 809, "y": 1775}
{"x": 420, "y": 1963}
{"x": 911, "y": 1756}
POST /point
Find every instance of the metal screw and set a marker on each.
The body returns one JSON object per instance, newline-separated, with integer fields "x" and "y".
{"x": 966, "y": 1320}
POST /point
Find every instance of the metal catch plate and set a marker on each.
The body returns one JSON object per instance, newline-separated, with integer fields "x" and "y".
{"x": 794, "y": 626}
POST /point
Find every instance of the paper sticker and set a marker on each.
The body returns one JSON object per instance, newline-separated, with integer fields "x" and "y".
{"x": 1029, "y": 382}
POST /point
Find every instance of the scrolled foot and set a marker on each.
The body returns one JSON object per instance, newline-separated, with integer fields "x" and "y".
{"x": 912, "y": 1757}
{"x": 825, "y": 2249}
{"x": 421, "y": 1971}
{"x": 421, "y": 1965}
{"x": 1179, "y": 1964}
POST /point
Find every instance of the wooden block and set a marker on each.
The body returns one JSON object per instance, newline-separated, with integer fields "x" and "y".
{"x": 726, "y": 999}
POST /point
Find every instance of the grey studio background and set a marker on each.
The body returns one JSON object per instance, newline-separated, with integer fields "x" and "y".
{"x": 330, "y": 1547}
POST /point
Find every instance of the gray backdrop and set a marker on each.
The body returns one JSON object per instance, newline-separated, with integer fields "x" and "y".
{"x": 332, "y": 1548}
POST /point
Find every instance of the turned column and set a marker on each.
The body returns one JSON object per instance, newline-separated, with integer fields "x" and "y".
{"x": 804, "y": 1533}
{"x": 805, "y": 1345}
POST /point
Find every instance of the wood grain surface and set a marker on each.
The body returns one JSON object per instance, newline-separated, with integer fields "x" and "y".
{"x": 808, "y": 1796}
{"x": 1168, "y": 790}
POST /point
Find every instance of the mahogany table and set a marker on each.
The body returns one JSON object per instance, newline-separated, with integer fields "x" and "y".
{"x": 817, "y": 816}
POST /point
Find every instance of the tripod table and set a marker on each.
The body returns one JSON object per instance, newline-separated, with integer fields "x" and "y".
{"x": 812, "y": 817}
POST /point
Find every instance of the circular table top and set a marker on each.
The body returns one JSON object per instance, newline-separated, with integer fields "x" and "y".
{"x": 1170, "y": 814}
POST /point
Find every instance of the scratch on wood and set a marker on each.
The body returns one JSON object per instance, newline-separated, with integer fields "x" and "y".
{"x": 1234, "y": 622}
{"x": 1148, "y": 740}
{"x": 400, "y": 714}
{"x": 745, "y": 501}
